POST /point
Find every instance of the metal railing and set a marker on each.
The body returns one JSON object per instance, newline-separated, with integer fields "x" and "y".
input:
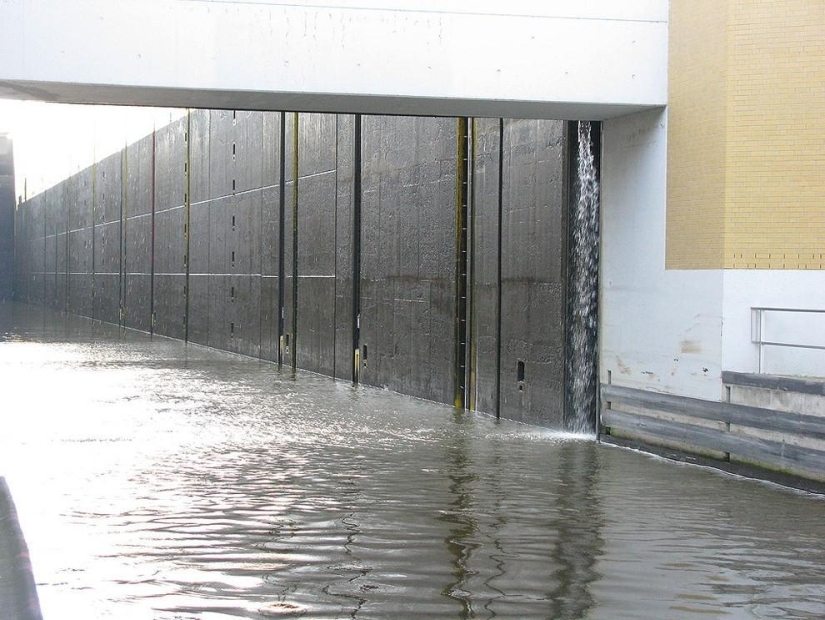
{"x": 758, "y": 331}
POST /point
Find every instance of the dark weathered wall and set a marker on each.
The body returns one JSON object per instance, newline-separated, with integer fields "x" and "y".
{"x": 317, "y": 211}
{"x": 344, "y": 245}
{"x": 107, "y": 239}
{"x": 302, "y": 237}
{"x": 408, "y": 255}
{"x": 485, "y": 242}
{"x": 30, "y": 232}
{"x": 138, "y": 232}
{"x": 518, "y": 245}
{"x": 170, "y": 230}
{"x": 81, "y": 243}
{"x": 270, "y": 236}
{"x": 532, "y": 301}
{"x": 6, "y": 218}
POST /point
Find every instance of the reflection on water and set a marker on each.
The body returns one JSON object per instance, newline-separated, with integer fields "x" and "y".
{"x": 155, "y": 480}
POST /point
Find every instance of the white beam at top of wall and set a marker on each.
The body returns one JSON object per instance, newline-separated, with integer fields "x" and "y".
{"x": 543, "y": 59}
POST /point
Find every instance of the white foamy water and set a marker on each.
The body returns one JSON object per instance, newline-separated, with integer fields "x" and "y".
{"x": 584, "y": 287}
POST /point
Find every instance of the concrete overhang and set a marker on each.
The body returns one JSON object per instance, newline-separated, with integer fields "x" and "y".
{"x": 548, "y": 59}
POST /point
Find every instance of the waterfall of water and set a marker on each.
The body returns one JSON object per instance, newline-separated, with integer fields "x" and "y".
{"x": 583, "y": 290}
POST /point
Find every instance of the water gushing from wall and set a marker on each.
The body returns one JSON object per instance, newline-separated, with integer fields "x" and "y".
{"x": 583, "y": 288}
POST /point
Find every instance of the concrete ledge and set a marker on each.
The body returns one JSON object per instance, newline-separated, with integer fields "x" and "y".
{"x": 774, "y": 382}
{"x": 291, "y": 55}
{"x": 18, "y": 594}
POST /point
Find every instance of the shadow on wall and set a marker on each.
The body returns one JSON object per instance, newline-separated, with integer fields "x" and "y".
{"x": 424, "y": 255}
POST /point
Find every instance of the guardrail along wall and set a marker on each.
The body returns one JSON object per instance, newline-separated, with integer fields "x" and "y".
{"x": 425, "y": 255}
{"x": 774, "y": 423}
{"x": 789, "y": 340}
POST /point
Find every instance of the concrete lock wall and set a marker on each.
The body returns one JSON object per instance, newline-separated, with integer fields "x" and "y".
{"x": 424, "y": 255}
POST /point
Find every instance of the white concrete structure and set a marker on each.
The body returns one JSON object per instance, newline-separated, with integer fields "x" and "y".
{"x": 660, "y": 329}
{"x": 523, "y": 58}
{"x": 675, "y": 331}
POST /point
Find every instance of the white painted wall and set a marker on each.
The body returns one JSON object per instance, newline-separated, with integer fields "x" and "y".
{"x": 660, "y": 330}
{"x": 540, "y": 59}
{"x": 675, "y": 331}
{"x": 776, "y": 289}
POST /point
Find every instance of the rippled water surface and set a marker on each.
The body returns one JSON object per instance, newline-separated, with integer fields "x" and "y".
{"x": 156, "y": 480}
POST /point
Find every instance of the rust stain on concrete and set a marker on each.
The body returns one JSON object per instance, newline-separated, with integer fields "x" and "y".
{"x": 690, "y": 346}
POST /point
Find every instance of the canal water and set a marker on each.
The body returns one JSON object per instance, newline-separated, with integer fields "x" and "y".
{"x": 164, "y": 481}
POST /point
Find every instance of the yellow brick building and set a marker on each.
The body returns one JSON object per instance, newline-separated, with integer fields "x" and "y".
{"x": 746, "y": 135}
